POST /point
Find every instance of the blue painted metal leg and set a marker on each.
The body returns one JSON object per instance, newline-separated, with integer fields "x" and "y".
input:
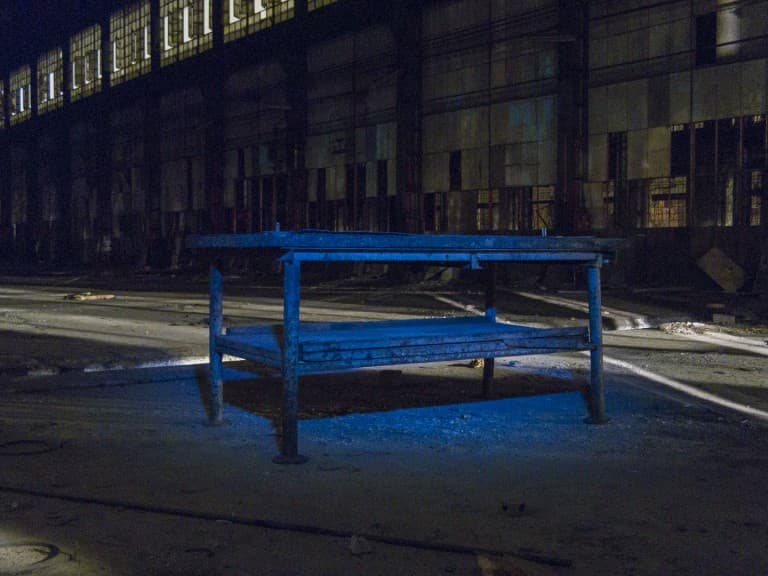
{"x": 289, "y": 453}
{"x": 215, "y": 327}
{"x": 490, "y": 313}
{"x": 596, "y": 389}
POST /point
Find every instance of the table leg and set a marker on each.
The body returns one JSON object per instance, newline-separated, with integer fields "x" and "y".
{"x": 596, "y": 388}
{"x": 490, "y": 313}
{"x": 215, "y": 327}
{"x": 289, "y": 453}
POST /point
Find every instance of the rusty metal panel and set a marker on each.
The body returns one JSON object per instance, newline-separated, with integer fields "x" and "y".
{"x": 547, "y": 162}
{"x": 753, "y": 83}
{"x": 616, "y": 108}
{"x": 598, "y": 157}
{"x": 472, "y": 128}
{"x": 658, "y": 152}
{"x": 680, "y": 98}
{"x": 598, "y": 119}
{"x": 705, "y": 86}
{"x": 439, "y": 133}
{"x": 637, "y": 104}
{"x": 474, "y": 168}
{"x": 637, "y": 154}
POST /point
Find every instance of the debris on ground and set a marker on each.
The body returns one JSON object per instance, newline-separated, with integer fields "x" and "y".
{"x": 87, "y": 296}
{"x": 359, "y": 546}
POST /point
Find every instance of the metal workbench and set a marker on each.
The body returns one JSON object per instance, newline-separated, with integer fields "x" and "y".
{"x": 299, "y": 348}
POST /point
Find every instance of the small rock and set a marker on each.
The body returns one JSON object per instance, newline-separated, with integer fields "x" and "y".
{"x": 358, "y": 546}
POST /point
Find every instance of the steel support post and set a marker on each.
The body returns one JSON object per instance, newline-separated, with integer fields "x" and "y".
{"x": 289, "y": 453}
{"x": 596, "y": 390}
{"x": 215, "y": 327}
{"x": 490, "y": 314}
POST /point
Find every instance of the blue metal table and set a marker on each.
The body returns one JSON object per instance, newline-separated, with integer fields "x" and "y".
{"x": 299, "y": 348}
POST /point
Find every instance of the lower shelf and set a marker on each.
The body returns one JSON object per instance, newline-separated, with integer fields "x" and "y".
{"x": 332, "y": 347}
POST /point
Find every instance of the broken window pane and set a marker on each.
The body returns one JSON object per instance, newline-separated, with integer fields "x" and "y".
{"x": 85, "y": 55}
{"x": 50, "y": 81}
{"x": 129, "y": 31}
{"x": 20, "y": 105}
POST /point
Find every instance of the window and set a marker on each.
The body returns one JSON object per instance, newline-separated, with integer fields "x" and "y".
{"x": 706, "y": 39}
{"x": 667, "y": 202}
{"x": 186, "y": 24}
{"x": 20, "y": 87}
{"x": 754, "y": 149}
{"x": 50, "y": 81}
{"x": 129, "y": 31}
{"x": 487, "y": 210}
{"x": 85, "y": 55}
{"x": 185, "y": 29}
{"x": 680, "y": 150}
{"x": 385, "y": 202}
{"x": 435, "y": 218}
{"x": 754, "y": 164}
{"x": 542, "y": 207}
{"x": 242, "y": 17}
{"x": 616, "y": 190}
{"x": 755, "y": 198}
{"x": 726, "y": 169}
{"x": 707, "y": 203}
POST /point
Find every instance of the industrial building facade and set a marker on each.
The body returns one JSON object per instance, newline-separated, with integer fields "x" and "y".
{"x": 160, "y": 118}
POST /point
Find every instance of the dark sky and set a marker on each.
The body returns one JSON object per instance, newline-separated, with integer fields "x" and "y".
{"x": 29, "y": 27}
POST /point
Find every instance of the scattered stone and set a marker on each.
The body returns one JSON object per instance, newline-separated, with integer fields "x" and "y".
{"x": 359, "y": 546}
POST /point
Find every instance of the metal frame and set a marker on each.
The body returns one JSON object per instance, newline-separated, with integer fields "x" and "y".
{"x": 302, "y": 348}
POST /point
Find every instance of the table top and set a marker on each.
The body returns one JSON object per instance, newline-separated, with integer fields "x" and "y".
{"x": 324, "y": 245}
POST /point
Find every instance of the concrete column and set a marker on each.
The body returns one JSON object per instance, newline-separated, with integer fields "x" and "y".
{"x": 33, "y": 229}
{"x": 64, "y": 166}
{"x": 103, "y": 128}
{"x": 406, "y": 25}
{"x": 148, "y": 238}
{"x": 572, "y": 114}
{"x": 6, "y": 204}
{"x": 295, "y": 66}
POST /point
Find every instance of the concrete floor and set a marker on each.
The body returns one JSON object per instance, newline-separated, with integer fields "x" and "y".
{"x": 117, "y": 473}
